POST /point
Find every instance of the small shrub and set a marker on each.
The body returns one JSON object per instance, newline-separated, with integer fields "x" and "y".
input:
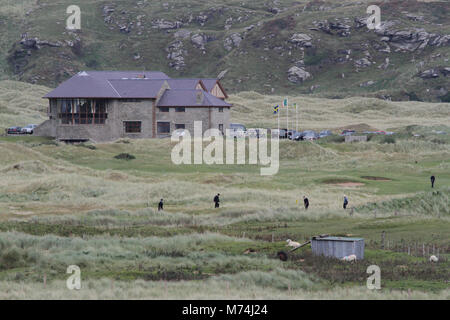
{"x": 388, "y": 139}
{"x": 334, "y": 139}
{"x": 125, "y": 156}
{"x": 11, "y": 258}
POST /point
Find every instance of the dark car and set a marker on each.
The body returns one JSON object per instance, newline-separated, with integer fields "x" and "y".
{"x": 297, "y": 136}
{"x": 310, "y": 135}
{"x": 290, "y": 133}
{"x": 348, "y": 132}
{"x": 325, "y": 133}
{"x": 14, "y": 130}
{"x": 282, "y": 133}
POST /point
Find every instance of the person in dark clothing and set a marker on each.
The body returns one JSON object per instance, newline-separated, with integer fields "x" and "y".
{"x": 216, "y": 200}
{"x": 433, "y": 178}
{"x": 161, "y": 205}
{"x": 306, "y": 202}
{"x": 345, "y": 202}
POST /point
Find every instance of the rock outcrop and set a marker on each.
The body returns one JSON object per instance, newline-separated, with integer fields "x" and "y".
{"x": 297, "y": 74}
{"x": 233, "y": 41}
{"x": 301, "y": 40}
{"x": 175, "y": 55}
{"x": 429, "y": 74}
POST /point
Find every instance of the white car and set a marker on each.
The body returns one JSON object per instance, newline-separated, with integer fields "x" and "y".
{"x": 28, "y": 129}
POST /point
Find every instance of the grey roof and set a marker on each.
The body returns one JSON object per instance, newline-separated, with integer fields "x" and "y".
{"x": 97, "y": 84}
{"x": 188, "y": 98}
{"x": 109, "y": 75}
{"x": 84, "y": 85}
{"x": 179, "y": 84}
{"x": 137, "y": 88}
{"x": 209, "y": 83}
{"x": 139, "y": 85}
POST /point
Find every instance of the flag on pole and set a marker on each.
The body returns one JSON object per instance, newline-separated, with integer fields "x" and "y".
{"x": 285, "y": 102}
{"x": 275, "y": 109}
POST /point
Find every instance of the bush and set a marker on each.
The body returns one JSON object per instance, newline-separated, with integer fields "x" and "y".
{"x": 388, "y": 139}
{"x": 125, "y": 156}
{"x": 11, "y": 258}
{"x": 333, "y": 138}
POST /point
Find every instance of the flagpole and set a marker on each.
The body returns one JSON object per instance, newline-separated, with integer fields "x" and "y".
{"x": 287, "y": 120}
{"x": 278, "y": 115}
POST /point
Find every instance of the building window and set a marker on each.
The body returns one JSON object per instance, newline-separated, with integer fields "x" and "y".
{"x": 221, "y": 128}
{"x": 180, "y": 109}
{"x": 132, "y": 126}
{"x": 163, "y": 109}
{"x": 221, "y": 109}
{"x": 163, "y": 127}
{"x": 83, "y": 111}
{"x": 180, "y": 126}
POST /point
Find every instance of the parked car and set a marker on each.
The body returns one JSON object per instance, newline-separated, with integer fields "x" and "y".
{"x": 237, "y": 130}
{"x": 297, "y": 136}
{"x": 380, "y": 132}
{"x": 348, "y": 132}
{"x": 29, "y": 129}
{"x": 325, "y": 133}
{"x": 257, "y": 132}
{"x": 310, "y": 135}
{"x": 14, "y": 130}
{"x": 290, "y": 133}
{"x": 282, "y": 133}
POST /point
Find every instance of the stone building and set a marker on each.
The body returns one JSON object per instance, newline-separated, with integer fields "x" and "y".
{"x": 106, "y": 106}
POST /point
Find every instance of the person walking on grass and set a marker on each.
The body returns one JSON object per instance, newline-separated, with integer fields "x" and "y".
{"x": 161, "y": 205}
{"x": 306, "y": 202}
{"x": 345, "y": 202}
{"x": 216, "y": 201}
{"x": 433, "y": 178}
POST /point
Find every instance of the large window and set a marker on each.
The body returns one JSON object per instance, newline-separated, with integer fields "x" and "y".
{"x": 180, "y": 126}
{"x": 163, "y": 127}
{"x": 132, "y": 126}
{"x": 83, "y": 111}
{"x": 180, "y": 109}
{"x": 163, "y": 109}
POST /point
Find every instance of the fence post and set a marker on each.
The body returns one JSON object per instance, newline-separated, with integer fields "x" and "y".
{"x": 383, "y": 236}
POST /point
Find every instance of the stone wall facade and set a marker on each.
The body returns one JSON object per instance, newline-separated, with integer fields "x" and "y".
{"x": 144, "y": 111}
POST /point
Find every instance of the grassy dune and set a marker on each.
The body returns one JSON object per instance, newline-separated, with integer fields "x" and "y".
{"x": 76, "y": 204}
{"x": 21, "y": 104}
{"x": 256, "y": 110}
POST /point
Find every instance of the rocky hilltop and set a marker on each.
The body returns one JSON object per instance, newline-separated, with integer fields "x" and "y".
{"x": 277, "y": 46}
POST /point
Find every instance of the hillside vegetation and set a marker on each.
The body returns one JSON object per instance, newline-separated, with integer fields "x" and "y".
{"x": 282, "y": 47}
